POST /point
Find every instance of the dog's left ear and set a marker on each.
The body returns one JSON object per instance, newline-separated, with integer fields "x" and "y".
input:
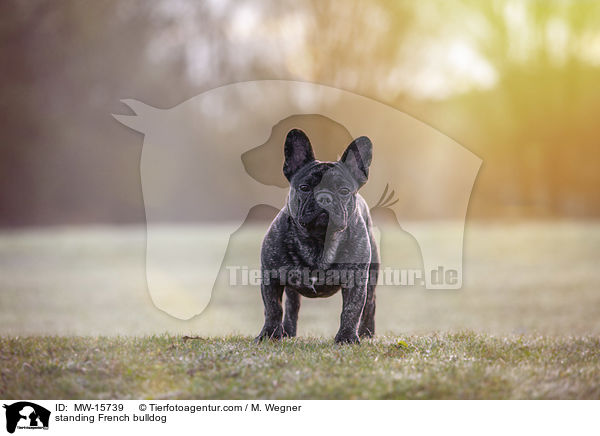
{"x": 357, "y": 159}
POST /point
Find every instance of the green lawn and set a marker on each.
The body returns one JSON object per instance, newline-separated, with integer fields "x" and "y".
{"x": 76, "y": 321}
{"x": 462, "y": 365}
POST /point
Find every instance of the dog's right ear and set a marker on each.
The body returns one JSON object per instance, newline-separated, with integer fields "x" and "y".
{"x": 298, "y": 152}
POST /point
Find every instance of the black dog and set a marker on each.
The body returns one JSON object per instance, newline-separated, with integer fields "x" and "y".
{"x": 321, "y": 241}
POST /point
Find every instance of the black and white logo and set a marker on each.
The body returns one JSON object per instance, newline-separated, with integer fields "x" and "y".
{"x": 26, "y": 415}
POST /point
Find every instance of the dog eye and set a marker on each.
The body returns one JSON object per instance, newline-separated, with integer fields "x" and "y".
{"x": 304, "y": 188}
{"x": 344, "y": 191}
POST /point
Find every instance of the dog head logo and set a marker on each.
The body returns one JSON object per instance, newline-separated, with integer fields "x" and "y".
{"x": 222, "y": 151}
{"x": 26, "y": 415}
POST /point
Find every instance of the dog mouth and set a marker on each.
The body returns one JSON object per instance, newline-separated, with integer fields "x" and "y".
{"x": 318, "y": 218}
{"x": 321, "y": 220}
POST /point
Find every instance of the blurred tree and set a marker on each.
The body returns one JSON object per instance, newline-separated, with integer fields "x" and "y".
{"x": 514, "y": 81}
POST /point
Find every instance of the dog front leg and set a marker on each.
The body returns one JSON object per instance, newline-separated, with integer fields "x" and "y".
{"x": 354, "y": 298}
{"x": 366, "y": 329}
{"x": 292, "y": 307}
{"x": 273, "y": 329}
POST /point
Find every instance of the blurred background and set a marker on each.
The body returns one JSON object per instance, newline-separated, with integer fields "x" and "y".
{"x": 516, "y": 82}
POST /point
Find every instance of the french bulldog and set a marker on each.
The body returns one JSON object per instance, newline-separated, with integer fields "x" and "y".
{"x": 321, "y": 241}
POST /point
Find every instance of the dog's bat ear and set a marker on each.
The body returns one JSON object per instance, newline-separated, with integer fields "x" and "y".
{"x": 357, "y": 159}
{"x": 297, "y": 151}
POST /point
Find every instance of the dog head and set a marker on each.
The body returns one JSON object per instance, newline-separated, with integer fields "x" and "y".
{"x": 323, "y": 194}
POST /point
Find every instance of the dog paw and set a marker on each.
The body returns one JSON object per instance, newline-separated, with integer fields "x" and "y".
{"x": 273, "y": 333}
{"x": 366, "y": 333}
{"x": 289, "y": 331}
{"x": 347, "y": 337}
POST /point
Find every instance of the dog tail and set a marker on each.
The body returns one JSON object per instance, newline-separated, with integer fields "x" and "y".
{"x": 386, "y": 200}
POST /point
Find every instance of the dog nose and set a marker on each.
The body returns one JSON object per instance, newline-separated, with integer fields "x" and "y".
{"x": 324, "y": 199}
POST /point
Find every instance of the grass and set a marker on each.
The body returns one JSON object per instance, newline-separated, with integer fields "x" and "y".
{"x": 76, "y": 321}
{"x": 463, "y": 365}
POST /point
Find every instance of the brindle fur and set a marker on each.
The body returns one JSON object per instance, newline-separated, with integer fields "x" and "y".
{"x": 321, "y": 229}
